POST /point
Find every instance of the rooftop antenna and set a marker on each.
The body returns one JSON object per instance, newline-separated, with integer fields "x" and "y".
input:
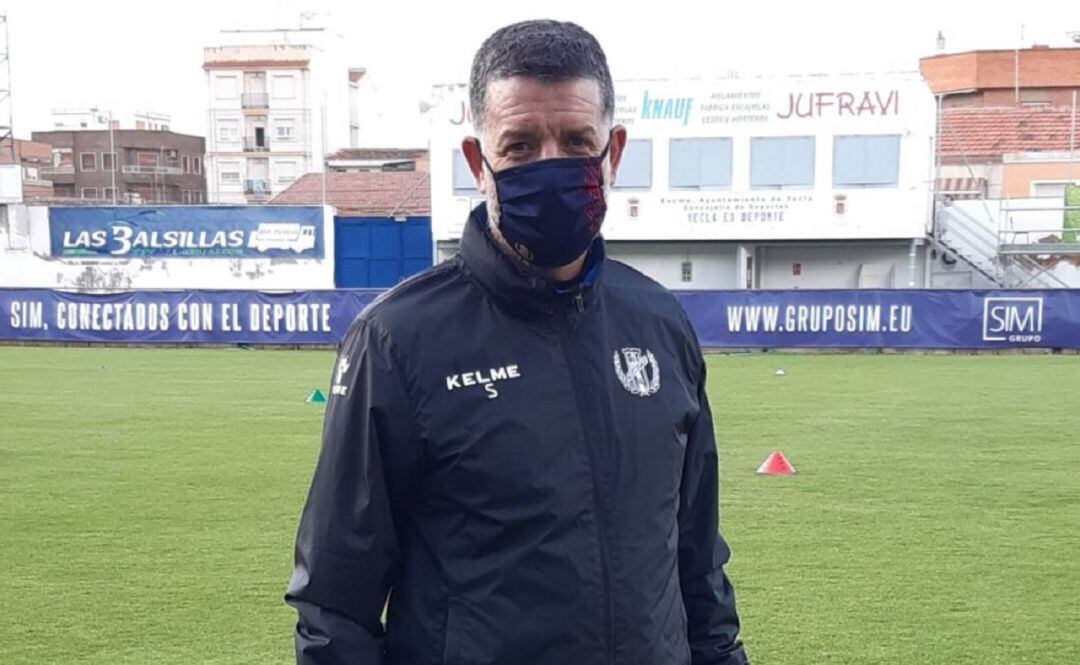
{"x": 7, "y": 132}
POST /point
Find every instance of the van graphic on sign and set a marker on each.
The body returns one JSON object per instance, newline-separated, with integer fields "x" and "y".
{"x": 278, "y": 235}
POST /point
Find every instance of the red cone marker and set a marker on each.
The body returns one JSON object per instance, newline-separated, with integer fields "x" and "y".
{"x": 776, "y": 465}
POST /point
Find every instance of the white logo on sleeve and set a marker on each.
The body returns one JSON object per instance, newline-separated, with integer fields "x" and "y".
{"x": 641, "y": 375}
{"x": 480, "y": 378}
{"x": 342, "y": 368}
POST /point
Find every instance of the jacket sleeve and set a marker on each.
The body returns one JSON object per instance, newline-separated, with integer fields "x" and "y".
{"x": 347, "y": 544}
{"x": 712, "y": 622}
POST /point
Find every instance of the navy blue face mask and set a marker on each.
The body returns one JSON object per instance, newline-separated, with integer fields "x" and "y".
{"x": 551, "y": 210}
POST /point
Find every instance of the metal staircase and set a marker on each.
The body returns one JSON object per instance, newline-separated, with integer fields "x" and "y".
{"x": 978, "y": 245}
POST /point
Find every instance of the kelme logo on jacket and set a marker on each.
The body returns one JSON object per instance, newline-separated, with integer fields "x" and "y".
{"x": 641, "y": 373}
{"x": 479, "y": 378}
{"x": 342, "y": 367}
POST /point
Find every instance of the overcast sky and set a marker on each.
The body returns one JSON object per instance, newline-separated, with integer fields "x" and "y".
{"x": 138, "y": 54}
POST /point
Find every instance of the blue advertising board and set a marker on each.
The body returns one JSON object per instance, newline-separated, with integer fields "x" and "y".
{"x": 213, "y": 317}
{"x": 722, "y": 319}
{"x": 229, "y": 232}
{"x": 928, "y": 319}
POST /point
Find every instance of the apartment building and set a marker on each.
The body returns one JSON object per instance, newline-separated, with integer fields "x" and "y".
{"x": 278, "y": 101}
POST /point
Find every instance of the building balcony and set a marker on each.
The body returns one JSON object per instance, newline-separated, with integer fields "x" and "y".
{"x": 253, "y": 144}
{"x": 257, "y": 187}
{"x": 135, "y": 169}
{"x": 53, "y": 170}
{"x": 255, "y": 100}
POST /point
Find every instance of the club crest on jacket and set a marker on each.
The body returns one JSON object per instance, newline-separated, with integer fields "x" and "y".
{"x": 640, "y": 374}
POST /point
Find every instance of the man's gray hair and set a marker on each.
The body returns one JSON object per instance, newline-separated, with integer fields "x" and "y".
{"x": 545, "y": 50}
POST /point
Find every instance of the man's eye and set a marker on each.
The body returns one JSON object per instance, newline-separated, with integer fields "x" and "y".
{"x": 517, "y": 148}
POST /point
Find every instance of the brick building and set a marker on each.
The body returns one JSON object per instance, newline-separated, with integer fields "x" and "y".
{"x": 1007, "y": 121}
{"x": 1036, "y": 76}
{"x": 359, "y": 194}
{"x": 146, "y": 166}
{"x": 34, "y": 157}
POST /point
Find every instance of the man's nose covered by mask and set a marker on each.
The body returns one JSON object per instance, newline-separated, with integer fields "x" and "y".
{"x": 550, "y": 210}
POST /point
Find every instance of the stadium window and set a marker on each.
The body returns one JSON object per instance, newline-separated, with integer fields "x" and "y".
{"x": 89, "y": 192}
{"x": 228, "y": 131}
{"x": 687, "y": 271}
{"x": 463, "y": 179}
{"x": 87, "y": 161}
{"x": 108, "y": 193}
{"x": 635, "y": 167}
{"x": 196, "y": 163}
{"x": 229, "y": 173}
{"x": 108, "y": 161}
{"x": 283, "y": 86}
{"x": 699, "y": 163}
{"x": 226, "y": 87}
{"x": 285, "y": 130}
{"x": 866, "y": 161}
{"x": 778, "y": 162}
{"x": 185, "y": 164}
{"x": 286, "y": 171}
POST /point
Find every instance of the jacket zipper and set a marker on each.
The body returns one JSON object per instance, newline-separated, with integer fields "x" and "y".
{"x": 598, "y": 501}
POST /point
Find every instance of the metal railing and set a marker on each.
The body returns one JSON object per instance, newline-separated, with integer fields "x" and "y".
{"x": 991, "y": 250}
{"x": 1052, "y": 237}
{"x": 255, "y": 100}
{"x": 138, "y": 169}
{"x": 257, "y": 187}
{"x": 63, "y": 168}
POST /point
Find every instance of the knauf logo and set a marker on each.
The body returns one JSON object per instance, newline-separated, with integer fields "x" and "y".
{"x": 666, "y": 108}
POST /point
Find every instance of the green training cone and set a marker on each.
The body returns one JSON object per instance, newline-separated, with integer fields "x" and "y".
{"x": 316, "y": 397}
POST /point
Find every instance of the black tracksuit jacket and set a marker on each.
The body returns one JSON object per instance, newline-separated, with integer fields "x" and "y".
{"x": 521, "y": 475}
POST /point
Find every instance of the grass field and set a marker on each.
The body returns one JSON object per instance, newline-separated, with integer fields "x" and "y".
{"x": 148, "y": 503}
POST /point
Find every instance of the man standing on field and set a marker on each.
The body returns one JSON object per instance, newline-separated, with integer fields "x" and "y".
{"x": 518, "y": 450}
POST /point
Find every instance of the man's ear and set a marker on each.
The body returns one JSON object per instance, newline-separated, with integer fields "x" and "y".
{"x": 470, "y": 147}
{"x": 617, "y": 149}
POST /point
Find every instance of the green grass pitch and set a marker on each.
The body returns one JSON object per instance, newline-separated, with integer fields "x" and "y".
{"x": 149, "y": 498}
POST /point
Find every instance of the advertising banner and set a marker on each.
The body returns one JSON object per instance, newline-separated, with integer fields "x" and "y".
{"x": 228, "y": 232}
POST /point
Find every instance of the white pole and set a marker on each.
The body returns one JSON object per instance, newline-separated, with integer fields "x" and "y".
{"x": 322, "y": 149}
{"x": 1016, "y": 64}
{"x": 1072, "y": 138}
{"x": 112, "y": 153}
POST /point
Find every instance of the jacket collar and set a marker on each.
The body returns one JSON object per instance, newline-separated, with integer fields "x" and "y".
{"x": 522, "y": 293}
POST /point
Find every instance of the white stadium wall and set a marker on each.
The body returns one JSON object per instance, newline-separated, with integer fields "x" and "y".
{"x": 711, "y": 265}
{"x": 867, "y": 225}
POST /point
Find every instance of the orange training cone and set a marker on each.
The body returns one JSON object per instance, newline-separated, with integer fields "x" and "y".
{"x": 776, "y": 465}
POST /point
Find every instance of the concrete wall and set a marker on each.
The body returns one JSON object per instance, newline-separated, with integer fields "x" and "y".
{"x": 712, "y": 265}
{"x": 1019, "y": 178}
{"x": 724, "y": 265}
{"x": 25, "y": 262}
{"x": 840, "y": 266}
